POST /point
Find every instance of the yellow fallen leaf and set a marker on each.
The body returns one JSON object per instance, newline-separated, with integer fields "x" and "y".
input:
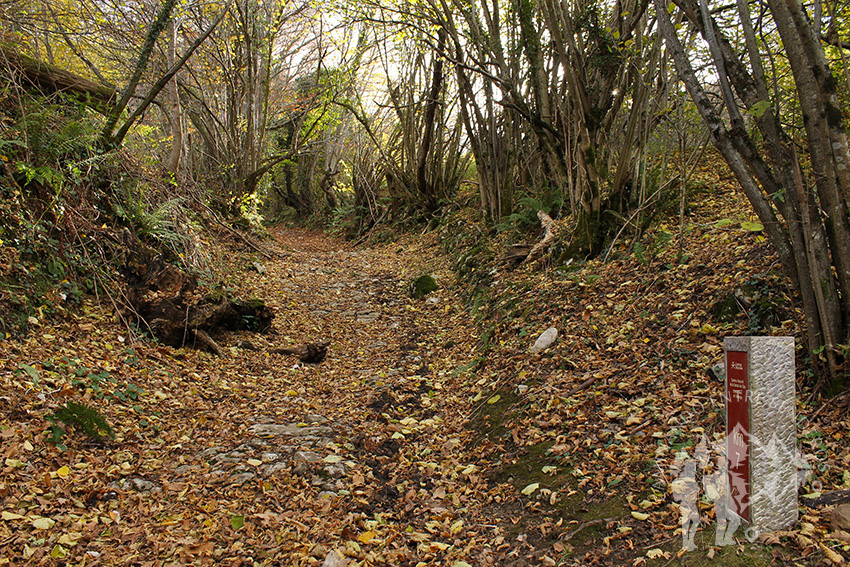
{"x": 255, "y": 462}
{"x": 494, "y": 399}
{"x": 58, "y": 552}
{"x": 28, "y": 446}
{"x": 456, "y": 527}
{"x": 70, "y": 539}
{"x": 41, "y": 523}
{"x": 291, "y": 393}
{"x": 529, "y": 490}
{"x": 366, "y": 537}
{"x": 834, "y": 558}
{"x": 7, "y": 516}
{"x": 63, "y": 472}
{"x": 640, "y": 516}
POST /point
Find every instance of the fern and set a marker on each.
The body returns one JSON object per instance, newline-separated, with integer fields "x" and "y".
{"x": 81, "y": 416}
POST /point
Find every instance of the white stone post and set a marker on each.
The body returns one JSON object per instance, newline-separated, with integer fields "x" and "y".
{"x": 761, "y": 431}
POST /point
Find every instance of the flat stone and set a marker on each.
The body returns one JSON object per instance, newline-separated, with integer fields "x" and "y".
{"x": 367, "y": 316}
{"x": 315, "y": 418}
{"x": 306, "y": 457}
{"x": 335, "y": 470}
{"x": 280, "y": 429}
{"x": 138, "y": 484}
{"x": 242, "y": 478}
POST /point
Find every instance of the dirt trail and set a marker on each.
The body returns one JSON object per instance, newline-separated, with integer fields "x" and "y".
{"x": 255, "y": 458}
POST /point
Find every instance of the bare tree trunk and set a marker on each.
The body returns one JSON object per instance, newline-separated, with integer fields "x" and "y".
{"x": 775, "y": 185}
{"x": 176, "y": 115}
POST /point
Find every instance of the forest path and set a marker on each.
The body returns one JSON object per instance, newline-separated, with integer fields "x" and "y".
{"x": 362, "y": 455}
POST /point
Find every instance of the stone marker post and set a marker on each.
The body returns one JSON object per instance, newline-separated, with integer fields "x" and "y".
{"x": 761, "y": 431}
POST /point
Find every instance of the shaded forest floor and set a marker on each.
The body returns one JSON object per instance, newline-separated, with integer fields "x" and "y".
{"x": 429, "y": 435}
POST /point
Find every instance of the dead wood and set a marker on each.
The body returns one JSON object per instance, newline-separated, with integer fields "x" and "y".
{"x": 51, "y": 78}
{"x": 520, "y": 254}
{"x": 311, "y": 352}
{"x": 166, "y": 301}
{"x": 551, "y": 233}
{"x": 828, "y": 499}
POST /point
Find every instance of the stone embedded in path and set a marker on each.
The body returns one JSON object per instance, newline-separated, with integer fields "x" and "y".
{"x": 136, "y": 483}
{"x": 279, "y": 429}
{"x": 367, "y": 316}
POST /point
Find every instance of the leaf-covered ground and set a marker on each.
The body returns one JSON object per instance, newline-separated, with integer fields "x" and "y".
{"x": 429, "y": 436}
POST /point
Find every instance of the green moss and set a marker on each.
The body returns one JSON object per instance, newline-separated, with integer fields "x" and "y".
{"x": 422, "y": 286}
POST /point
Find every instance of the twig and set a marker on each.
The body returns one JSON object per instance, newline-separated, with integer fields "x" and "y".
{"x": 587, "y": 524}
{"x": 584, "y": 384}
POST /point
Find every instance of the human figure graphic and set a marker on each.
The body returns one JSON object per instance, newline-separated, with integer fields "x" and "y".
{"x": 717, "y": 490}
{"x": 686, "y": 492}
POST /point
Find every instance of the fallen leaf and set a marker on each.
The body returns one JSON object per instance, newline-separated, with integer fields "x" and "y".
{"x": 41, "y": 523}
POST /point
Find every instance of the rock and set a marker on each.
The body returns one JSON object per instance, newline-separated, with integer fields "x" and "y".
{"x": 306, "y": 457}
{"x": 138, "y": 484}
{"x": 545, "y": 340}
{"x": 243, "y": 478}
{"x": 259, "y": 267}
{"x": 840, "y": 517}
{"x": 335, "y": 470}
{"x": 422, "y": 286}
{"x": 246, "y": 345}
{"x": 367, "y": 316}
{"x": 279, "y": 429}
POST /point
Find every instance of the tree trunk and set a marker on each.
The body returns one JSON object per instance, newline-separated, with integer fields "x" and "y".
{"x": 53, "y": 79}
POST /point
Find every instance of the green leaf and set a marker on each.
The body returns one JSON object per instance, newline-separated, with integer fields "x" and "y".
{"x": 751, "y": 226}
{"x": 32, "y": 372}
{"x": 724, "y": 222}
{"x": 758, "y": 109}
{"x": 237, "y": 521}
{"x": 494, "y": 399}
